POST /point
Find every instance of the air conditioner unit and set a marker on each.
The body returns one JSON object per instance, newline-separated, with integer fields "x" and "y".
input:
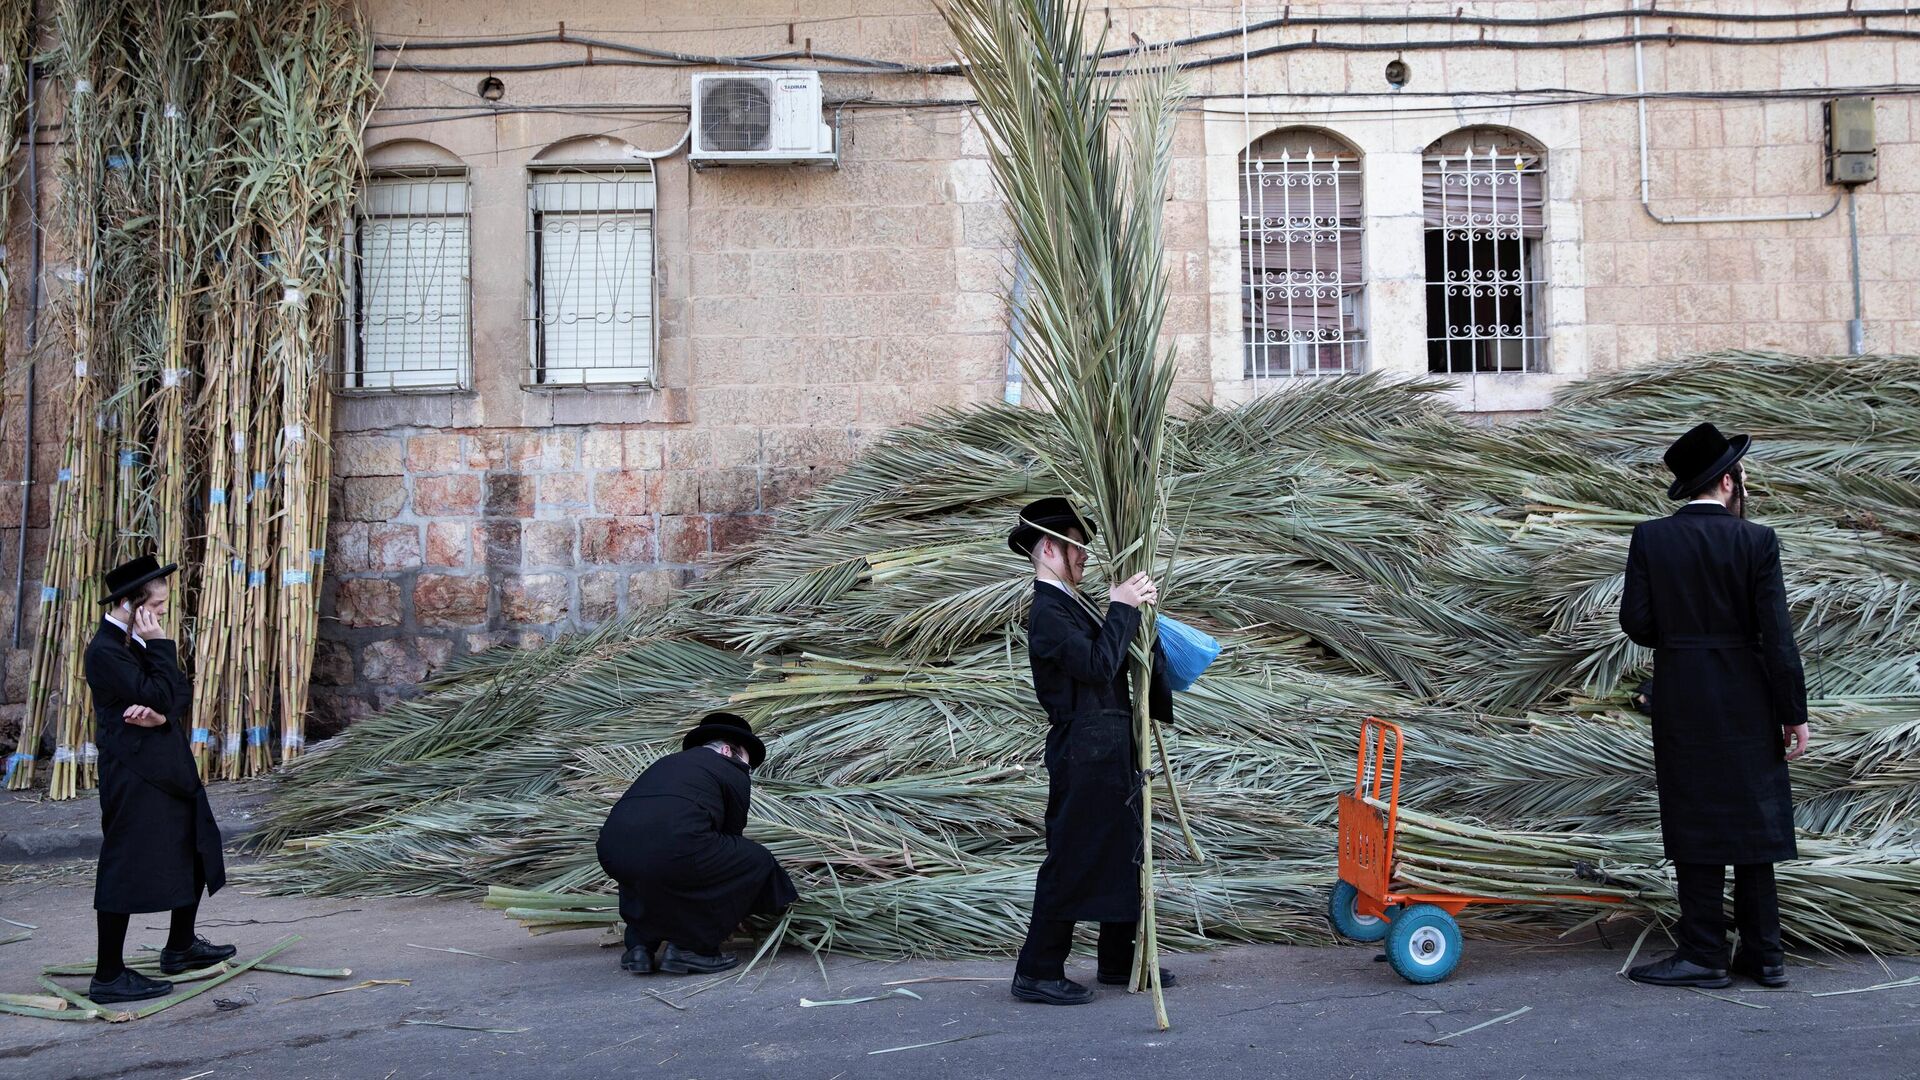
{"x": 761, "y": 118}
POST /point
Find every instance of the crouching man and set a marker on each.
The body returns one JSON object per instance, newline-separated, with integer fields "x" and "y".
{"x": 673, "y": 843}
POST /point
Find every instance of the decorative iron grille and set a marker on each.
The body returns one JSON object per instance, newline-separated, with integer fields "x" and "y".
{"x": 593, "y": 278}
{"x": 1302, "y": 288}
{"x": 1485, "y": 290}
{"x": 410, "y": 295}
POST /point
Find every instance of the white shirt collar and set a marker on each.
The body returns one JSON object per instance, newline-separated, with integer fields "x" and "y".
{"x": 127, "y": 629}
{"x": 1061, "y": 585}
{"x": 1706, "y": 502}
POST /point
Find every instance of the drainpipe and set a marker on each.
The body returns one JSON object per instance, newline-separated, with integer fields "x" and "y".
{"x": 1856, "y": 326}
{"x": 1646, "y": 168}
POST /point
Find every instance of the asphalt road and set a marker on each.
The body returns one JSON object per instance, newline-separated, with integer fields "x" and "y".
{"x": 560, "y": 1008}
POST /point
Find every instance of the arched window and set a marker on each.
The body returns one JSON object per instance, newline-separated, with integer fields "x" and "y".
{"x": 1302, "y": 289}
{"x": 1485, "y": 201}
{"x": 590, "y": 236}
{"x": 409, "y": 280}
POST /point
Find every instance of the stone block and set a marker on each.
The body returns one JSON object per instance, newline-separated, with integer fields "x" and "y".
{"x": 646, "y": 448}
{"x": 362, "y": 602}
{"x": 334, "y": 711}
{"x": 481, "y": 641}
{"x": 332, "y": 664}
{"x": 628, "y": 492}
{"x": 347, "y": 546}
{"x": 434, "y": 652}
{"x": 650, "y": 587}
{"x": 599, "y": 599}
{"x": 367, "y": 455}
{"x": 457, "y": 495}
{"x": 488, "y": 450}
{"x": 547, "y": 543}
{"x": 732, "y": 530}
{"x": 679, "y": 492}
{"x": 449, "y": 543}
{"x": 372, "y": 498}
{"x": 729, "y": 491}
{"x": 616, "y": 540}
{"x": 533, "y": 598}
{"x": 393, "y": 547}
{"x": 390, "y": 662}
{"x": 545, "y": 452}
{"x": 563, "y": 491}
{"x": 450, "y": 600}
{"x": 509, "y": 495}
{"x": 602, "y": 449}
{"x": 684, "y": 539}
{"x": 435, "y": 454}
{"x": 499, "y": 544}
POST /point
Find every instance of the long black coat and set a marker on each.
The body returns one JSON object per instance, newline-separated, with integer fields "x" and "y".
{"x": 160, "y": 843}
{"x": 673, "y": 842}
{"x": 1704, "y": 591}
{"x": 1092, "y": 868}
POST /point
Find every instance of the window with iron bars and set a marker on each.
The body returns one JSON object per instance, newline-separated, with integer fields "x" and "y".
{"x": 1484, "y": 199}
{"x": 409, "y": 291}
{"x": 1302, "y": 287}
{"x": 592, "y": 282}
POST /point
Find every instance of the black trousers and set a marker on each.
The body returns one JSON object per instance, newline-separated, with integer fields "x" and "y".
{"x": 1044, "y": 955}
{"x": 1702, "y": 931}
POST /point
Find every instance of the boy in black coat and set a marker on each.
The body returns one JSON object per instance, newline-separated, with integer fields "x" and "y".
{"x": 1092, "y": 869}
{"x": 1729, "y": 700}
{"x": 160, "y": 846}
{"x": 673, "y": 842}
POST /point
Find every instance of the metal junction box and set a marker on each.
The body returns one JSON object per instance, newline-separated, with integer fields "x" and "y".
{"x": 1851, "y": 155}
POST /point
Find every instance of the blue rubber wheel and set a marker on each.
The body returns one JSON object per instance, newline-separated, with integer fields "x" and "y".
{"x": 1423, "y": 944}
{"x": 1343, "y": 908}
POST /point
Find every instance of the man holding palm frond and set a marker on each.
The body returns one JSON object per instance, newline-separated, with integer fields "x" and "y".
{"x": 1092, "y": 869}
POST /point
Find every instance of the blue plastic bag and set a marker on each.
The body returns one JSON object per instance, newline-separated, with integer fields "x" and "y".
{"x": 1188, "y": 651}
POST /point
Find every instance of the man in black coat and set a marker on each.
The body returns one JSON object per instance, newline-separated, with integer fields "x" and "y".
{"x": 160, "y": 846}
{"x": 673, "y": 842}
{"x": 1729, "y": 700}
{"x": 1094, "y": 840}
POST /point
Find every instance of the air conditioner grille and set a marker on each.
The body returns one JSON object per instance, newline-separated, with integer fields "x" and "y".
{"x": 736, "y": 114}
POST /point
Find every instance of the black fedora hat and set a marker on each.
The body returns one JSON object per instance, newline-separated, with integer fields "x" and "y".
{"x": 125, "y": 578}
{"x": 1700, "y": 456}
{"x": 731, "y": 728}
{"x": 1043, "y": 516}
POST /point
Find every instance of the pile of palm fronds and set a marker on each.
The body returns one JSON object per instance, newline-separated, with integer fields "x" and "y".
{"x": 1360, "y": 551}
{"x": 207, "y": 162}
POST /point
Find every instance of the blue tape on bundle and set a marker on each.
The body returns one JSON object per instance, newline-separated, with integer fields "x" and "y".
{"x": 256, "y": 736}
{"x": 48, "y": 594}
{"x": 318, "y": 554}
{"x": 65, "y": 475}
{"x": 259, "y": 480}
{"x": 256, "y": 579}
{"x": 238, "y": 566}
{"x": 1188, "y": 651}
{"x": 14, "y": 761}
{"x": 202, "y": 737}
{"x": 217, "y": 497}
{"x": 118, "y": 161}
{"x": 295, "y": 577}
{"x": 266, "y": 258}
{"x": 126, "y": 459}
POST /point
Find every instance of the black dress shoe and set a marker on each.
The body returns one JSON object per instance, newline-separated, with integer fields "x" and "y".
{"x": 1764, "y": 974}
{"x": 1678, "y": 971}
{"x": 1168, "y": 979}
{"x": 1051, "y": 991}
{"x": 638, "y": 959}
{"x": 130, "y": 985}
{"x": 201, "y": 954}
{"x": 679, "y": 962}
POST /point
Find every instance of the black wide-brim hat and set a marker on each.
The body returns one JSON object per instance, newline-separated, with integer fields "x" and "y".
{"x": 1043, "y": 516}
{"x": 122, "y": 580}
{"x": 725, "y": 725}
{"x": 1700, "y": 456}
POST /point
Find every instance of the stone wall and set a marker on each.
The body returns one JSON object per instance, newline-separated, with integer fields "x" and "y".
{"x": 803, "y": 311}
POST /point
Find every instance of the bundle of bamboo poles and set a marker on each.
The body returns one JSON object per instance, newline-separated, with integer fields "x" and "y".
{"x": 210, "y": 159}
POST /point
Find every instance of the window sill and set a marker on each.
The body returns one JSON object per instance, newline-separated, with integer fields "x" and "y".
{"x": 1504, "y": 392}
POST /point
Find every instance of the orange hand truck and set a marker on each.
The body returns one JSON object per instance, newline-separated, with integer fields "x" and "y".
{"x": 1421, "y": 934}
